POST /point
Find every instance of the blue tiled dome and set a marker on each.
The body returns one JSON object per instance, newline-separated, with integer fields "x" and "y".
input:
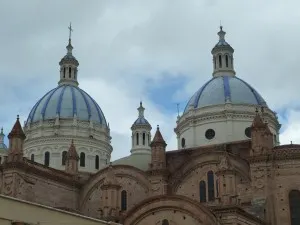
{"x": 223, "y": 89}
{"x": 67, "y": 101}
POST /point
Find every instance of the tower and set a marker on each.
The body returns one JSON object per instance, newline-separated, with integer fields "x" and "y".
{"x": 158, "y": 167}
{"x": 222, "y": 57}
{"x": 141, "y": 134}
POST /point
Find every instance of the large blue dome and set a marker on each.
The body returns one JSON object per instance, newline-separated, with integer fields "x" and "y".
{"x": 66, "y": 101}
{"x": 222, "y": 89}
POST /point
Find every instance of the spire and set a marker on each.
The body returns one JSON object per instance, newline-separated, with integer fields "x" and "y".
{"x": 258, "y": 122}
{"x": 223, "y": 57}
{"x": 17, "y": 130}
{"x": 72, "y": 153}
{"x": 68, "y": 65}
{"x": 141, "y": 110}
{"x": 72, "y": 160}
{"x": 158, "y": 138}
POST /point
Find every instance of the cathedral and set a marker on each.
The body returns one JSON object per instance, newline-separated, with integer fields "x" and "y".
{"x": 228, "y": 168}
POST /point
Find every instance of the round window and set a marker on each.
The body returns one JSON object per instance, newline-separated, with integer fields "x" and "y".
{"x": 248, "y": 132}
{"x": 182, "y": 142}
{"x": 210, "y": 134}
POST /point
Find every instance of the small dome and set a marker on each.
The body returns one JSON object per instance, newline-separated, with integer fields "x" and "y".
{"x": 67, "y": 101}
{"x": 141, "y": 121}
{"x": 220, "y": 90}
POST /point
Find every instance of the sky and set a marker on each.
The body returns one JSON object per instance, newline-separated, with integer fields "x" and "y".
{"x": 157, "y": 51}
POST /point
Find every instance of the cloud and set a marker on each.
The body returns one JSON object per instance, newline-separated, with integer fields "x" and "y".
{"x": 124, "y": 46}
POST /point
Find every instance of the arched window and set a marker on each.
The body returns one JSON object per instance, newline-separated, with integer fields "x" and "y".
{"x": 294, "y": 199}
{"x": 220, "y": 61}
{"x": 32, "y": 157}
{"x": 144, "y": 138}
{"x": 211, "y": 185}
{"x": 137, "y": 138}
{"x": 165, "y": 222}
{"x": 69, "y": 72}
{"x": 226, "y": 60}
{"x": 64, "y": 158}
{"x": 183, "y": 142}
{"x": 97, "y": 162}
{"x": 202, "y": 188}
{"x": 123, "y": 200}
{"x": 47, "y": 159}
{"x": 82, "y": 159}
{"x": 65, "y": 72}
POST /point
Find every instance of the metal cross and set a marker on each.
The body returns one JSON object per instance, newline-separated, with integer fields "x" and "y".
{"x": 70, "y": 30}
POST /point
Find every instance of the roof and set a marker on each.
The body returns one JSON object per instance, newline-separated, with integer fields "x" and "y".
{"x": 140, "y": 161}
{"x": 67, "y": 101}
{"x": 222, "y": 89}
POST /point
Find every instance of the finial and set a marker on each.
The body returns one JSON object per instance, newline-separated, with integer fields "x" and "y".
{"x": 221, "y": 33}
{"x": 157, "y": 127}
{"x": 177, "y": 109}
{"x": 70, "y": 30}
{"x": 141, "y": 103}
{"x": 1, "y": 130}
{"x": 18, "y": 117}
{"x": 291, "y": 142}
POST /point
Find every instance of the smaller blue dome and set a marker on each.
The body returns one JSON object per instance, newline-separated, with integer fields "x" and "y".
{"x": 3, "y": 146}
{"x": 220, "y": 90}
{"x": 66, "y": 101}
{"x": 141, "y": 121}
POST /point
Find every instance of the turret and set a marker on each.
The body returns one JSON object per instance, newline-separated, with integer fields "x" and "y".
{"x": 141, "y": 133}
{"x": 72, "y": 160}
{"x": 223, "y": 57}
{"x": 227, "y": 181}
{"x": 261, "y": 136}
{"x": 158, "y": 149}
{"x": 16, "y": 140}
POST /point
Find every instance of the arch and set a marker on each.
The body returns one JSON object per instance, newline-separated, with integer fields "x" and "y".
{"x": 64, "y": 72}
{"x": 123, "y": 200}
{"x": 169, "y": 203}
{"x": 120, "y": 171}
{"x": 226, "y": 61}
{"x": 47, "y": 158}
{"x": 137, "y": 138}
{"x": 64, "y": 158}
{"x": 82, "y": 159}
{"x": 220, "y": 61}
{"x": 202, "y": 189}
{"x": 97, "y": 162}
{"x": 210, "y": 186}
{"x": 294, "y": 202}
{"x": 32, "y": 157}
{"x": 165, "y": 222}
{"x": 70, "y": 72}
{"x": 144, "y": 138}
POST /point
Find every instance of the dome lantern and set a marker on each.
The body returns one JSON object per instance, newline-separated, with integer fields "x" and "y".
{"x": 69, "y": 65}
{"x": 222, "y": 57}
